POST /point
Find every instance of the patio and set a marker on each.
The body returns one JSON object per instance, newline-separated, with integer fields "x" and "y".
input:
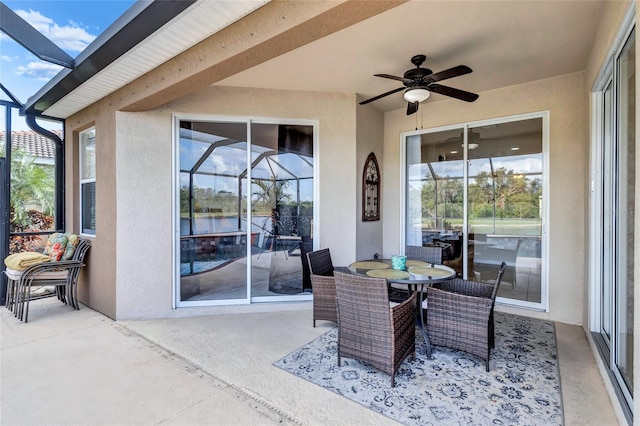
{"x": 276, "y": 76}
{"x": 116, "y": 364}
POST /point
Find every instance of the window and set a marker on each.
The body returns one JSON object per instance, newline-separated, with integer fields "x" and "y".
{"x": 88, "y": 182}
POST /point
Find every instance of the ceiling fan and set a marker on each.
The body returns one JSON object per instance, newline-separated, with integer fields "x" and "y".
{"x": 419, "y": 82}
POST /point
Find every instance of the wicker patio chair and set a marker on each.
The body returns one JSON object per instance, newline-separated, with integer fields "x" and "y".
{"x": 305, "y": 248}
{"x": 400, "y": 292}
{"x": 320, "y": 262}
{"x": 425, "y": 254}
{"x": 460, "y": 316}
{"x": 324, "y": 298}
{"x": 369, "y": 329}
{"x": 63, "y": 275}
{"x": 492, "y": 333}
{"x": 323, "y": 286}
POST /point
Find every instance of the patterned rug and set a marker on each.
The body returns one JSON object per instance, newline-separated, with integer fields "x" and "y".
{"x": 453, "y": 388}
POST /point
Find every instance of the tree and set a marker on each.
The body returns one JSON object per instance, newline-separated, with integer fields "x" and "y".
{"x": 30, "y": 182}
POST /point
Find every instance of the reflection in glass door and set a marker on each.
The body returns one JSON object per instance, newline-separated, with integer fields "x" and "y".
{"x": 246, "y": 211}
{"x": 502, "y": 218}
{"x": 435, "y": 193}
{"x": 281, "y": 208}
{"x": 213, "y": 247}
{"x": 505, "y": 187}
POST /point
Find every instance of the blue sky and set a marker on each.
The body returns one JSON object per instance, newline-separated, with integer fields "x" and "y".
{"x": 72, "y": 25}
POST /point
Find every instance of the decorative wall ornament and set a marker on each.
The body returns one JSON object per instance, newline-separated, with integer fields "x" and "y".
{"x": 371, "y": 189}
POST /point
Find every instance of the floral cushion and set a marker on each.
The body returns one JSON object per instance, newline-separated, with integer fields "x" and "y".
{"x": 72, "y": 243}
{"x": 56, "y": 246}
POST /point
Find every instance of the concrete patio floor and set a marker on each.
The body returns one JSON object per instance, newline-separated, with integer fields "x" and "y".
{"x": 80, "y": 367}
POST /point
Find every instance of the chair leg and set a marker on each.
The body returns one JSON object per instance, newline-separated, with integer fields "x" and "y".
{"x": 26, "y": 303}
{"x": 11, "y": 294}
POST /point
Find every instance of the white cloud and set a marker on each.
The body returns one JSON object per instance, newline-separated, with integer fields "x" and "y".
{"x": 6, "y": 58}
{"x": 38, "y": 70}
{"x": 71, "y": 37}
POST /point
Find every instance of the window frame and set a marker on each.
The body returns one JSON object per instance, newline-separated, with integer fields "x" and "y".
{"x": 85, "y": 229}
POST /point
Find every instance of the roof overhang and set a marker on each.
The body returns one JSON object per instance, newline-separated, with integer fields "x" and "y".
{"x": 131, "y": 47}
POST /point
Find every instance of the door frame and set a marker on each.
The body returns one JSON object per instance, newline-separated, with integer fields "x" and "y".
{"x": 544, "y": 275}
{"x": 175, "y": 213}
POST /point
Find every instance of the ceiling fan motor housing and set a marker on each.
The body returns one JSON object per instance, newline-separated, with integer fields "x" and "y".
{"x": 417, "y": 74}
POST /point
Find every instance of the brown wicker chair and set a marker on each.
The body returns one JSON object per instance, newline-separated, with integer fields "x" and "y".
{"x": 426, "y": 254}
{"x": 368, "y": 328}
{"x": 492, "y": 333}
{"x": 320, "y": 262}
{"x": 400, "y": 292}
{"x": 324, "y": 298}
{"x": 460, "y": 316}
{"x": 323, "y": 286}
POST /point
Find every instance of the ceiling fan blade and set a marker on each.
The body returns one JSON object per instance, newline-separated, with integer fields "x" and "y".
{"x": 452, "y": 92}
{"x": 450, "y": 73}
{"x": 406, "y": 81}
{"x": 375, "y": 98}
{"x": 412, "y": 107}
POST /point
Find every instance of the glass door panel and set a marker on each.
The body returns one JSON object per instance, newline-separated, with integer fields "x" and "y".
{"x": 625, "y": 210}
{"x": 435, "y": 193}
{"x": 505, "y": 167}
{"x": 213, "y": 239}
{"x": 281, "y": 208}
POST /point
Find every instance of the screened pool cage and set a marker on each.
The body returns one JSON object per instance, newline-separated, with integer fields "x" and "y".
{"x": 32, "y": 182}
{"x": 239, "y": 198}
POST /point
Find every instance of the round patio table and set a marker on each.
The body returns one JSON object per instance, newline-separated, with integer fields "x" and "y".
{"x": 416, "y": 276}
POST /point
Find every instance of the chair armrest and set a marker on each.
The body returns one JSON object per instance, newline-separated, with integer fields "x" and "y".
{"x": 466, "y": 287}
{"x": 343, "y": 269}
{"x": 465, "y": 308}
{"x": 405, "y": 311}
{"x": 323, "y": 284}
{"x": 33, "y": 271}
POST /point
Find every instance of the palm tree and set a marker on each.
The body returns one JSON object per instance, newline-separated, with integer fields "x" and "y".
{"x": 30, "y": 183}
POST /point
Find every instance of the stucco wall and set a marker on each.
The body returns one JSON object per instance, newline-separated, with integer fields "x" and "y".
{"x": 566, "y": 101}
{"x": 370, "y": 134}
{"x": 96, "y": 285}
{"x": 144, "y": 185}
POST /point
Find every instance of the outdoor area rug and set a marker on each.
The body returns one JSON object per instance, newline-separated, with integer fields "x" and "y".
{"x": 453, "y": 388}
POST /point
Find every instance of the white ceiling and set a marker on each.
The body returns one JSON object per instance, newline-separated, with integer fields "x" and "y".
{"x": 504, "y": 42}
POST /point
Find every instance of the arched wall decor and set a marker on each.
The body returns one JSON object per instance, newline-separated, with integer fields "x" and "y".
{"x": 371, "y": 189}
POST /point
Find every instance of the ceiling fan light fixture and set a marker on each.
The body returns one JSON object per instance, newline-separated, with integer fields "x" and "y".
{"x": 471, "y": 145}
{"x": 417, "y": 94}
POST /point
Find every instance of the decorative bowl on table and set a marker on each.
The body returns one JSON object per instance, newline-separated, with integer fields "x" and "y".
{"x": 399, "y": 262}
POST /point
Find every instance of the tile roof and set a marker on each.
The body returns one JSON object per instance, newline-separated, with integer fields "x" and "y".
{"x": 35, "y": 144}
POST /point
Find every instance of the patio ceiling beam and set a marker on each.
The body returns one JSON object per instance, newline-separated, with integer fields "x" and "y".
{"x": 31, "y": 39}
{"x": 273, "y": 30}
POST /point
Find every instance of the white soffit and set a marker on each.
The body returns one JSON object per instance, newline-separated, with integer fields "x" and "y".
{"x": 197, "y": 23}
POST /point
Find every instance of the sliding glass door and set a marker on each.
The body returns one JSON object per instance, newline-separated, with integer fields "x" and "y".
{"x": 246, "y": 209}
{"x": 614, "y": 218}
{"x": 476, "y": 191}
